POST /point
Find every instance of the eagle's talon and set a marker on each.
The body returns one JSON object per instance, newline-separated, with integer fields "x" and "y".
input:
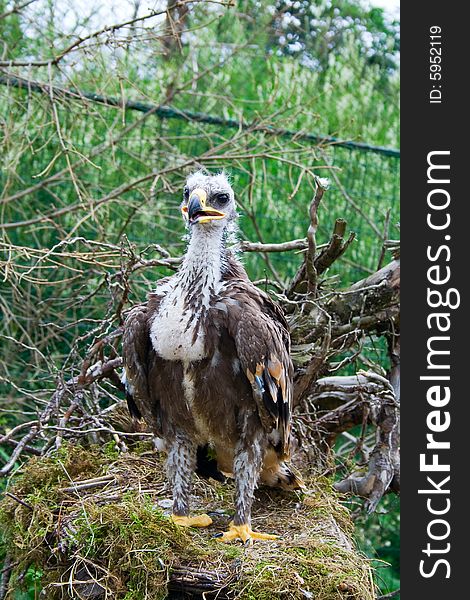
{"x": 245, "y": 534}
{"x": 196, "y": 521}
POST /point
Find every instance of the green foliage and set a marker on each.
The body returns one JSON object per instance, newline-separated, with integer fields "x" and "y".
{"x": 11, "y": 33}
{"x": 378, "y": 536}
{"x": 322, "y": 32}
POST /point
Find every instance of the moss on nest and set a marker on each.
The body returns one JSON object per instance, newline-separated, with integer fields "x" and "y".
{"x": 96, "y": 525}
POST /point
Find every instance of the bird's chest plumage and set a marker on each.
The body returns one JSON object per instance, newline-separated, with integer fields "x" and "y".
{"x": 178, "y": 331}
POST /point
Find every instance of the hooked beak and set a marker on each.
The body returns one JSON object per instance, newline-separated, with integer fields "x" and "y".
{"x": 197, "y": 210}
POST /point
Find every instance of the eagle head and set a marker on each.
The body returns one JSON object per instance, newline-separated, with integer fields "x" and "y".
{"x": 208, "y": 199}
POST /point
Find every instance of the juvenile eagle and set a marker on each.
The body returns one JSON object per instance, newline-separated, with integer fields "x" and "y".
{"x": 207, "y": 363}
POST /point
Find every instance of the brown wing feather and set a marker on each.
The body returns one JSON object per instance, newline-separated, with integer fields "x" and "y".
{"x": 139, "y": 358}
{"x": 260, "y": 332}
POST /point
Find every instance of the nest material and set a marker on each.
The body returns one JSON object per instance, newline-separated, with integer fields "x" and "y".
{"x": 94, "y": 524}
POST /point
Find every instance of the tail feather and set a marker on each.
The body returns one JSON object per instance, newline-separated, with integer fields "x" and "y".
{"x": 206, "y": 465}
{"x": 280, "y": 474}
{"x": 131, "y": 405}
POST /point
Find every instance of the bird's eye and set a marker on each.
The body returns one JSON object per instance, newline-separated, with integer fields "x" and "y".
{"x": 222, "y": 198}
{"x": 186, "y": 192}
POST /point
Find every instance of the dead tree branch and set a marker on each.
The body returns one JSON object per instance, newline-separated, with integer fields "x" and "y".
{"x": 340, "y": 403}
{"x": 311, "y": 270}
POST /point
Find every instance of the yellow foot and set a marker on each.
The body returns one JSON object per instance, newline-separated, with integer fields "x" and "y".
{"x": 244, "y": 533}
{"x": 198, "y": 521}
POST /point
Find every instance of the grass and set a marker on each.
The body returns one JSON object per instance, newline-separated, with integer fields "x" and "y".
{"x": 83, "y": 537}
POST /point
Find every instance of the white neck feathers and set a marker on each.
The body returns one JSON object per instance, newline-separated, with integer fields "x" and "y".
{"x": 204, "y": 259}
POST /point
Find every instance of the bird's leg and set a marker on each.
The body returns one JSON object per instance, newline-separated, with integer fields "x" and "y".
{"x": 180, "y": 466}
{"x": 246, "y": 466}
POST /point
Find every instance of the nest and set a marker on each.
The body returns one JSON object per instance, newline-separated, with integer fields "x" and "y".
{"x": 93, "y": 524}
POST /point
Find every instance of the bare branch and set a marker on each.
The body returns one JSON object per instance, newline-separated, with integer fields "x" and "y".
{"x": 17, "y": 8}
{"x": 247, "y": 246}
{"x": 80, "y": 41}
{"x": 321, "y": 186}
